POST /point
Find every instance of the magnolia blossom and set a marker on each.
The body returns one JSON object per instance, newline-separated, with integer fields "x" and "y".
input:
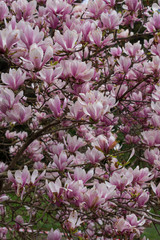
{"x": 37, "y": 57}
{"x": 24, "y": 178}
{"x": 80, "y": 174}
{"x": 151, "y": 138}
{"x": 121, "y": 180}
{"x": 3, "y": 10}
{"x": 4, "y": 197}
{"x": 8, "y": 99}
{"x": 92, "y": 198}
{"x": 24, "y": 8}
{"x": 61, "y": 161}
{"x": 19, "y": 113}
{"x": 96, "y": 37}
{"x": 131, "y": 223}
{"x": 54, "y": 235}
{"x": 8, "y": 37}
{"x": 80, "y": 98}
{"x": 54, "y": 188}
{"x": 134, "y": 5}
{"x": 95, "y": 104}
{"x": 105, "y": 144}
{"x": 111, "y": 20}
{"x": 156, "y": 189}
{"x": 14, "y": 79}
{"x": 96, "y": 7}
{"x": 48, "y": 75}
{"x": 29, "y": 35}
{"x": 73, "y": 220}
{"x": 74, "y": 143}
{"x": 55, "y": 106}
{"x": 94, "y": 156}
{"x": 58, "y": 7}
{"x": 80, "y": 70}
{"x": 3, "y": 167}
{"x": 3, "y": 233}
{"x": 154, "y": 22}
{"x": 68, "y": 40}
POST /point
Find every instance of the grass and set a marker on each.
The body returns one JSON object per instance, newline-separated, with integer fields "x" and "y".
{"x": 152, "y": 233}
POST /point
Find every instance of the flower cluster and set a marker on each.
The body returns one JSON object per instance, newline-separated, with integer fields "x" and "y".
{"x": 79, "y": 118}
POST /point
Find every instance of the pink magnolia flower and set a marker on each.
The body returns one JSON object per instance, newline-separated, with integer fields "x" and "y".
{"x": 2, "y": 210}
{"x": 8, "y": 37}
{"x": 39, "y": 165}
{"x": 69, "y": 40}
{"x": 58, "y": 7}
{"x": 156, "y": 189}
{"x": 87, "y": 28}
{"x": 134, "y": 5}
{"x": 48, "y": 75}
{"x": 156, "y": 107}
{"x": 19, "y": 222}
{"x": 111, "y": 20}
{"x": 156, "y": 93}
{"x": 106, "y": 190}
{"x": 37, "y": 57}
{"x": 14, "y": 78}
{"x": 92, "y": 198}
{"x": 75, "y": 191}
{"x": 120, "y": 90}
{"x": 34, "y": 151}
{"x": 23, "y": 179}
{"x": 3, "y": 198}
{"x": 94, "y": 110}
{"x": 95, "y": 37}
{"x": 132, "y": 49}
{"x": 76, "y": 111}
{"x": 143, "y": 199}
{"x": 94, "y": 156}
{"x": 152, "y": 155}
{"x": 125, "y": 63}
{"x": 3, "y": 233}
{"x": 22, "y": 135}
{"x": 96, "y": 7}
{"x": 19, "y": 113}
{"x": 56, "y": 148}
{"x": 155, "y": 50}
{"x": 80, "y": 70}
{"x": 8, "y": 99}
{"x": 56, "y": 106}
{"x": 10, "y": 135}
{"x": 80, "y": 174}
{"x": 28, "y": 35}
{"x": 95, "y": 104}
{"x": 74, "y": 143}
{"x": 151, "y": 138}
{"x": 54, "y": 235}
{"x": 73, "y": 221}
{"x": 23, "y": 8}
{"x": 141, "y": 176}
{"x": 105, "y": 144}
{"x": 131, "y": 224}
{"x": 61, "y": 161}
{"x": 110, "y": 3}
{"x": 54, "y": 189}
{"x": 116, "y": 52}
{"x": 3, "y": 167}
{"x": 3, "y": 10}
{"x": 121, "y": 179}
{"x": 154, "y": 23}
{"x": 155, "y": 6}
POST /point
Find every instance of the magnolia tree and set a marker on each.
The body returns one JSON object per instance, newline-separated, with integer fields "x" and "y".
{"x": 79, "y": 119}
